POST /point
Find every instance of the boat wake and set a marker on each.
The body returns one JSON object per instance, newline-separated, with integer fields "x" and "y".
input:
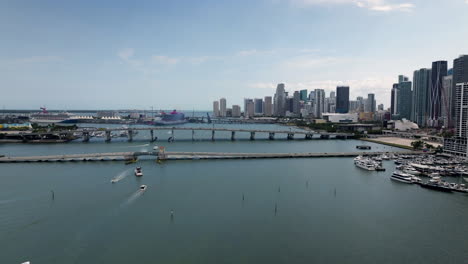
{"x": 136, "y": 146}
{"x": 121, "y": 175}
{"x": 132, "y": 198}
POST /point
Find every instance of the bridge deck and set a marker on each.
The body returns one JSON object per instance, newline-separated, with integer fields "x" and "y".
{"x": 115, "y": 156}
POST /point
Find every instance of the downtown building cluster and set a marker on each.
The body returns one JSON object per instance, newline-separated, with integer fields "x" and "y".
{"x": 336, "y": 107}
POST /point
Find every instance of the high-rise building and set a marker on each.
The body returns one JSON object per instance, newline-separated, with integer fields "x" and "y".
{"x": 333, "y": 95}
{"x": 342, "y": 99}
{"x": 250, "y": 109}
{"x": 447, "y": 101}
{"x": 404, "y": 100}
{"x": 370, "y": 103}
{"x": 394, "y": 98}
{"x": 280, "y": 101}
{"x": 460, "y": 75}
{"x": 438, "y": 72}
{"x": 421, "y": 91}
{"x": 402, "y": 78}
{"x": 246, "y": 102}
{"x": 296, "y": 109}
{"x": 216, "y": 108}
{"x": 380, "y": 107}
{"x": 458, "y": 145}
{"x": 222, "y": 107}
{"x": 312, "y": 95}
{"x": 268, "y": 106}
{"x": 236, "y": 111}
{"x": 461, "y": 110}
{"x": 258, "y": 103}
{"x": 319, "y": 107}
{"x": 304, "y": 95}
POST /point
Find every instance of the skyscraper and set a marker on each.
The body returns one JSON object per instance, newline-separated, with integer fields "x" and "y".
{"x": 447, "y": 101}
{"x": 319, "y": 107}
{"x": 460, "y": 75}
{"x": 438, "y": 72}
{"x": 370, "y": 103}
{"x": 394, "y": 98}
{"x": 280, "y": 101}
{"x": 222, "y": 107}
{"x": 404, "y": 100}
{"x": 216, "y": 108}
{"x": 342, "y": 99}
{"x": 246, "y": 102}
{"x": 236, "y": 111}
{"x": 304, "y": 95}
{"x": 268, "y": 106}
{"x": 250, "y": 109}
{"x": 296, "y": 103}
{"x": 421, "y": 91}
{"x": 380, "y": 107}
{"x": 461, "y": 110}
{"x": 258, "y": 103}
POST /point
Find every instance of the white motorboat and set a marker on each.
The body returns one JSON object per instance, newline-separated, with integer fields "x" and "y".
{"x": 402, "y": 177}
{"x": 138, "y": 172}
{"x": 143, "y": 187}
{"x": 365, "y": 164}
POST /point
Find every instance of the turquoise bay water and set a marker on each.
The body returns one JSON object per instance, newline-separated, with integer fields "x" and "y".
{"x": 327, "y": 210}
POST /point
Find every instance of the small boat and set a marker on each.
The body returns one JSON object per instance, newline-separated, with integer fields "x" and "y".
{"x": 143, "y": 187}
{"x": 138, "y": 172}
{"x": 114, "y": 180}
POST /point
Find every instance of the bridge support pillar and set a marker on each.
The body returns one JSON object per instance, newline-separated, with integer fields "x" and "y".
{"x": 130, "y": 135}
{"x": 290, "y": 136}
{"x": 86, "y": 137}
{"x": 152, "y": 136}
{"x": 271, "y": 136}
{"x": 233, "y": 135}
{"x": 212, "y": 135}
{"x": 108, "y": 136}
{"x": 309, "y": 136}
{"x": 252, "y": 135}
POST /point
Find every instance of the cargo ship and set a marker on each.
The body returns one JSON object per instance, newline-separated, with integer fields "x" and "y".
{"x": 173, "y": 118}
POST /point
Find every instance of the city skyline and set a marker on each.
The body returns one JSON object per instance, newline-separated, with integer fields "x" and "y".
{"x": 138, "y": 60}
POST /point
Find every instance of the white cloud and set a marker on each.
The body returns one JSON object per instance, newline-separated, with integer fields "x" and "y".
{"x": 166, "y": 60}
{"x": 375, "y": 5}
{"x": 311, "y": 62}
{"x": 126, "y": 54}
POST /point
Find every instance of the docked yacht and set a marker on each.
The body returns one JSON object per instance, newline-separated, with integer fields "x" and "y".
{"x": 138, "y": 172}
{"x": 365, "y": 164}
{"x": 437, "y": 184}
{"x": 401, "y": 177}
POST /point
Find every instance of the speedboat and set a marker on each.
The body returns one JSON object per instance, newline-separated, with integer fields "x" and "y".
{"x": 138, "y": 172}
{"x": 143, "y": 187}
{"x": 114, "y": 180}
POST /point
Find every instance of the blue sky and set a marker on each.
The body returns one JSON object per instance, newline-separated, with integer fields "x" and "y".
{"x": 185, "y": 54}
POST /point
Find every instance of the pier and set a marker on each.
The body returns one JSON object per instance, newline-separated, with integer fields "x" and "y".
{"x": 125, "y": 156}
{"x": 106, "y": 133}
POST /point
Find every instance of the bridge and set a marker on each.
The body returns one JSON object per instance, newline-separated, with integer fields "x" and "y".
{"x": 127, "y": 156}
{"x": 87, "y": 133}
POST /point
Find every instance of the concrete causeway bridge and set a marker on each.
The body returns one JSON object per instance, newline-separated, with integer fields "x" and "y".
{"x": 106, "y": 133}
{"x": 127, "y": 156}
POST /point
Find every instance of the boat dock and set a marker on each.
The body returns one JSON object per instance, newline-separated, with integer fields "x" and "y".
{"x": 126, "y": 156}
